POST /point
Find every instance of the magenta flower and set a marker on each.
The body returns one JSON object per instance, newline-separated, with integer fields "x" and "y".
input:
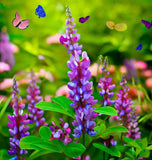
{"x": 106, "y": 86}
{"x": 80, "y": 87}
{"x": 61, "y": 133}
{"x": 123, "y": 103}
{"x": 17, "y": 124}
{"x": 33, "y": 98}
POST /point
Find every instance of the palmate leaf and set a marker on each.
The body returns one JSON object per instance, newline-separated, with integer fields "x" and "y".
{"x": 45, "y": 132}
{"x": 113, "y": 130}
{"x": 107, "y": 111}
{"x": 113, "y": 152}
{"x": 74, "y": 150}
{"x": 36, "y": 143}
{"x": 60, "y": 104}
{"x": 38, "y": 153}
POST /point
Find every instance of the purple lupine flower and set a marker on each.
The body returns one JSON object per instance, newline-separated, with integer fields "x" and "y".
{"x": 61, "y": 133}
{"x": 105, "y": 85}
{"x": 6, "y": 50}
{"x": 33, "y": 98}
{"x": 131, "y": 69}
{"x": 80, "y": 87}
{"x": 17, "y": 124}
{"x": 123, "y": 103}
{"x": 110, "y": 141}
{"x": 133, "y": 128}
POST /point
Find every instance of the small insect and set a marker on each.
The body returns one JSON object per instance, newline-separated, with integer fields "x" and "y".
{"x": 139, "y": 47}
{"x": 18, "y": 23}
{"x": 82, "y": 19}
{"x": 118, "y": 27}
{"x": 40, "y": 11}
{"x": 146, "y": 23}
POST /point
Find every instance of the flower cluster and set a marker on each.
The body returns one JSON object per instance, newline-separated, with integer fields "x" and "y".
{"x": 123, "y": 103}
{"x": 33, "y": 98}
{"x": 61, "y": 133}
{"x": 80, "y": 87}
{"x": 133, "y": 128}
{"x": 110, "y": 141}
{"x": 106, "y": 86}
{"x": 70, "y": 38}
{"x": 17, "y": 125}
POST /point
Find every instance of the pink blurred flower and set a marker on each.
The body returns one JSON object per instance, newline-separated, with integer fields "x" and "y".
{"x": 45, "y": 74}
{"x": 14, "y": 48}
{"x": 93, "y": 69}
{"x": 54, "y": 39}
{"x": 24, "y": 81}
{"x": 123, "y": 69}
{"x": 146, "y": 73}
{"x": 6, "y": 83}
{"x": 4, "y": 67}
{"x": 3, "y": 98}
{"x": 63, "y": 91}
{"x": 112, "y": 69}
{"x": 138, "y": 109}
{"x": 148, "y": 83}
{"x": 141, "y": 65}
{"x": 48, "y": 98}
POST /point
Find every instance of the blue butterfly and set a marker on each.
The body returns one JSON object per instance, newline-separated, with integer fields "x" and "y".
{"x": 139, "y": 47}
{"x": 40, "y": 11}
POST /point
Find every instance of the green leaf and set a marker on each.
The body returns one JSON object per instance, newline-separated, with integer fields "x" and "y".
{"x": 126, "y": 158}
{"x": 113, "y": 130}
{"x": 60, "y": 104}
{"x": 131, "y": 142}
{"x": 45, "y": 132}
{"x": 144, "y": 143}
{"x": 4, "y": 154}
{"x": 38, "y": 153}
{"x": 36, "y": 143}
{"x": 113, "y": 152}
{"x": 4, "y": 107}
{"x": 100, "y": 129}
{"x": 144, "y": 153}
{"x": 107, "y": 111}
{"x": 149, "y": 147}
{"x": 74, "y": 150}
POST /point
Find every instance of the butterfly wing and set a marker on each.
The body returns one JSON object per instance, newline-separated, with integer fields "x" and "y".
{"x": 146, "y": 23}
{"x": 16, "y": 20}
{"x": 110, "y": 24}
{"x": 40, "y": 11}
{"x": 121, "y": 27}
{"x": 86, "y": 18}
{"x": 24, "y": 24}
{"x": 139, "y": 47}
{"x": 81, "y": 20}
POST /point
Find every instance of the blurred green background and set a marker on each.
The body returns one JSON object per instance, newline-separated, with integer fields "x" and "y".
{"x": 96, "y": 38}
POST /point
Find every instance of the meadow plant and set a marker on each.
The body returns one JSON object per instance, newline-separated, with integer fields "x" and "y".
{"x": 123, "y": 103}
{"x": 33, "y": 98}
{"x": 99, "y": 138}
{"x": 105, "y": 85}
{"x": 17, "y": 127}
{"x": 80, "y": 87}
{"x": 61, "y": 133}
